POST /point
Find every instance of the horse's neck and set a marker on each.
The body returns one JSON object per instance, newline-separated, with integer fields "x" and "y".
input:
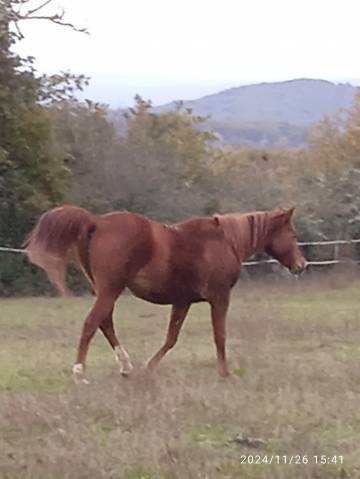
{"x": 249, "y": 235}
{"x": 260, "y": 231}
{"x": 238, "y": 235}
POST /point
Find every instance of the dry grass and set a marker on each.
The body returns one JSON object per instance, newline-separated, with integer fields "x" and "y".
{"x": 294, "y": 353}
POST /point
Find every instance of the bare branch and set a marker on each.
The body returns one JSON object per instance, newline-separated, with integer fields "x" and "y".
{"x": 19, "y": 10}
{"x": 54, "y": 19}
{"x": 42, "y": 5}
{"x": 19, "y": 34}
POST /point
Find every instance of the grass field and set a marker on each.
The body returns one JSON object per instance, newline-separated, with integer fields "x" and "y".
{"x": 294, "y": 353}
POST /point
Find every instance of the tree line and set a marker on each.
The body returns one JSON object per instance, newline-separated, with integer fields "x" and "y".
{"x": 56, "y": 149}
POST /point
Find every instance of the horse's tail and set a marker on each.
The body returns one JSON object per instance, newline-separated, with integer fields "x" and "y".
{"x": 53, "y": 239}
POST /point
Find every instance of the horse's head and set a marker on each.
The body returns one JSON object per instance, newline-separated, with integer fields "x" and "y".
{"x": 282, "y": 241}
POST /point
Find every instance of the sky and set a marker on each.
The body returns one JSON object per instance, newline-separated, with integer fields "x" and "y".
{"x": 183, "y": 49}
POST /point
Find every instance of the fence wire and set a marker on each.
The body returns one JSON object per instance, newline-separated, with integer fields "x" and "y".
{"x": 265, "y": 261}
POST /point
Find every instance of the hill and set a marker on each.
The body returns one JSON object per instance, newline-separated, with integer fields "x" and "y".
{"x": 270, "y": 114}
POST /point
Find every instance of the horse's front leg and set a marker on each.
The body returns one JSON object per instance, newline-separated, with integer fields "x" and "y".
{"x": 121, "y": 355}
{"x": 178, "y": 315}
{"x": 219, "y": 309}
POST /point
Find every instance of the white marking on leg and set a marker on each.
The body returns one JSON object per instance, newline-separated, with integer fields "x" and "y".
{"x": 123, "y": 359}
{"x": 78, "y": 374}
{"x": 78, "y": 368}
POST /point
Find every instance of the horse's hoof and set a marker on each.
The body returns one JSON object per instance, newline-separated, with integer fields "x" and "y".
{"x": 80, "y": 380}
{"x": 126, "y": 368}
{"x": 151, "y": 365}
{"x": 78, "y": 374}
{"x": 126, "y": 372}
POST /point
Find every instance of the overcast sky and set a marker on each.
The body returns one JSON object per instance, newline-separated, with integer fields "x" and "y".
{"x": 182, "y": 49}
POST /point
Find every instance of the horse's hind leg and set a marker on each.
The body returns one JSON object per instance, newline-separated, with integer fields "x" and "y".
{"x": 178, "y": 315}
{"x": 103, "y": 306}
{"x": 121, "y": 355}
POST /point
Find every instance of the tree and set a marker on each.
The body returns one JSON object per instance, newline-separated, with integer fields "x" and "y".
{"x": 33, "y": 174}
{"x": 91, "y": 146}
{"x": 164, "y": 160}
{"x": 326, "y": 178}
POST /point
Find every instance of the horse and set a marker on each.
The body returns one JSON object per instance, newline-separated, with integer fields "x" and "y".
{"x": 196, "y": 260}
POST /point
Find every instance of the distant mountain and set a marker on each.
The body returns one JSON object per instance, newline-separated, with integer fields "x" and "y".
{"x": 271, "y": 114}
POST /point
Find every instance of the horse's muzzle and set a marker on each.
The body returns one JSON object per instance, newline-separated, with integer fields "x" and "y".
{"x": 299, "y": 268}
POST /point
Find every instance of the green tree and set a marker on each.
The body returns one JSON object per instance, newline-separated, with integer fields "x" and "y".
{"x": 165, "y": 161}
{"x": 328, "y": 187}
{"x": 33, "y": 174}
{"x": 91, "y": 147}
{"x": 158, "y": 164}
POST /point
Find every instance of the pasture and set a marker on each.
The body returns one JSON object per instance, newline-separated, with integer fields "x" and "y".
{"x": 294, "y": 353}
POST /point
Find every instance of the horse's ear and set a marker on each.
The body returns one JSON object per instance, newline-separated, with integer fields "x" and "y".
{"x": 289, "y": 213}
{"x": 217, "y": 219}
{"x": 282, "y": 216}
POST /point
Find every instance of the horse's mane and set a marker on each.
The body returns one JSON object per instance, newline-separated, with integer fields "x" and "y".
{"x": 249, "y": 231}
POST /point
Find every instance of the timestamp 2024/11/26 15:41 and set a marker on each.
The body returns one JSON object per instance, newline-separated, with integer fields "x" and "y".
{"x": 296, "y": 459}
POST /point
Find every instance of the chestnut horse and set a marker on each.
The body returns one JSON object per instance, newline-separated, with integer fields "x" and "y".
{"x": 197, "y": 260}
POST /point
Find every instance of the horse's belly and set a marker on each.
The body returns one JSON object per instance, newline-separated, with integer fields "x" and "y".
{"x": 142, "y": 288}
{"x": 161, "y": 292}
